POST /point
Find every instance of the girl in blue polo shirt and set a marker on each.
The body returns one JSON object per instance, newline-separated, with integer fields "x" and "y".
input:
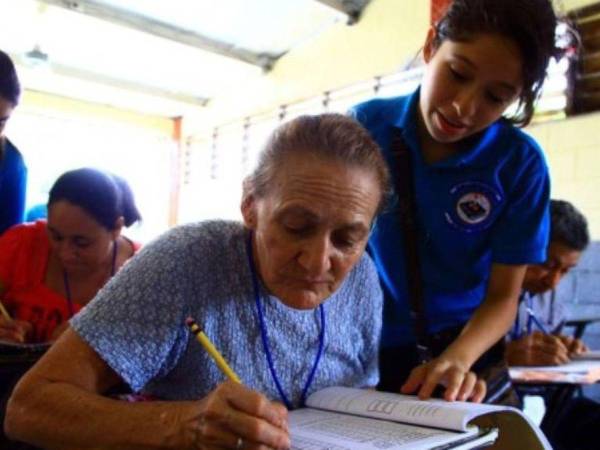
{"x": 481, "y": 189}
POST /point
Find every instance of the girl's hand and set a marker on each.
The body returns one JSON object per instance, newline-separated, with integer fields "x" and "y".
{"x": 14, "y": 330}
{"x": 460, "y": 383}
{"x": 235, "y": 417}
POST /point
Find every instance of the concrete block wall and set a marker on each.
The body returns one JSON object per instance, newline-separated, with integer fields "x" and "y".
{"x": 580, "y": 292}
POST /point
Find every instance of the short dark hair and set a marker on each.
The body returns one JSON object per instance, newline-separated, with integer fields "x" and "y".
{"x": 568, "y": 226}
{"x": 10, "y": 88}
{"x": 531, "y": 24}
{"x": 103, "y": 196}
{"x": 330, "y": 136}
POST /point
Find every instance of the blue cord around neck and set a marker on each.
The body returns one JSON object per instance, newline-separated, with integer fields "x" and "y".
{"x": 265, "y": 338}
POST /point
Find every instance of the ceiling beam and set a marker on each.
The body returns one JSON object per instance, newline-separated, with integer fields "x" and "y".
{"x": 352, "y": 8}
{"x": 94, "y": 77}
{"x": 165, "y": 30}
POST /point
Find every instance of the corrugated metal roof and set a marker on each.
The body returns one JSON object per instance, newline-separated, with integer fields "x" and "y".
{"x": 152, "y": 55}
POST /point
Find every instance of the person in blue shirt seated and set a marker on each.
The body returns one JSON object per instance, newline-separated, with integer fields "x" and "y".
{"x": 13, "y": 173}
{"x": 535, "y": 339}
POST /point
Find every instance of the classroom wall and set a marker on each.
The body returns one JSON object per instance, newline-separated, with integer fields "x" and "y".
{"x": 55, "y": 134}
{"x": 571, "y": 147}
{"x": 572, "y": 4}
{"x": 53, "y": 105}
{"x": 388, "y": 35}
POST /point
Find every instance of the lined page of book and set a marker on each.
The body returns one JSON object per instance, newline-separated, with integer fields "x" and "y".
{"x": 400, "y": 408}
{"x": 314, "y": 429}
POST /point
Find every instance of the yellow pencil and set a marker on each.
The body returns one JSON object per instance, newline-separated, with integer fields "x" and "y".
{"x": 212, "y": 351}
{"x": 4, "y": 312}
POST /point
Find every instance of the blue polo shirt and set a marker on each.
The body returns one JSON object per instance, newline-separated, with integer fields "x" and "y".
{"x": 13, "y": 181}
{"x": 487, "y": 204}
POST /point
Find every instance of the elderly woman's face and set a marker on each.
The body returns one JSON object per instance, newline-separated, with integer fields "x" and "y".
{"x": 311, "y": 228}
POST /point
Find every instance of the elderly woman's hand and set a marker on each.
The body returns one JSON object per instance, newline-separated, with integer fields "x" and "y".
{"x": 235, "y": 417}
{"x": 13, "y": 330}
{"x": 460, "y": 383}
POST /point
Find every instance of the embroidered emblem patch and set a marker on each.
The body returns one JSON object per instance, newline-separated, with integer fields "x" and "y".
{"x": 474, "y": 205}
{"x": 473, "y": 208}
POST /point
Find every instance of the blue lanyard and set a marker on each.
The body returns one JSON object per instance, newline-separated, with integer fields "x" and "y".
{"x": 530, "y": 316}
{"x": 265, "y": 338}
{"x": 531, "y": 319}
{"x": 66, "y": 280}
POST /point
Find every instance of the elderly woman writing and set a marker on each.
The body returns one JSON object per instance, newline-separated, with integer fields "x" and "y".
{"x": 288, "y": 297}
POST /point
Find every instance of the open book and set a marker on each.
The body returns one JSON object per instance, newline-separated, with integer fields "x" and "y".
{"x": 341, "y": 418}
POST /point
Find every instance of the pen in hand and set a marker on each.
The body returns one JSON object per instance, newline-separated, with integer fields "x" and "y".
{"x": 12, "y": 330}
{"x": 561, "y": 349}
{"x": 4, "y": 312}
{"x": 234, "y": 399}
{"x": 537, "y": 322}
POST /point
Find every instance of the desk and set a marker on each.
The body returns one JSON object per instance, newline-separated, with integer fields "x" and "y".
{"x": 556, "y": 397}
{"x": 557, "y": 384}
{"x": 14, "y": 362}
{"x": 580, "y": 324}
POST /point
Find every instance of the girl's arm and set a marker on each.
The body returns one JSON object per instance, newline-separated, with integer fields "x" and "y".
{"x": 58, "y": 404}
{"x": 490, "y": 322}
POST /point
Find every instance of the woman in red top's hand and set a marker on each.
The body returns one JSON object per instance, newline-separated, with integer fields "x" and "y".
{"x": 50, "y": 270}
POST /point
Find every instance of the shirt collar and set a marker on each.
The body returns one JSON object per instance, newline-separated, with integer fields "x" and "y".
{"x": 476, "y": 145}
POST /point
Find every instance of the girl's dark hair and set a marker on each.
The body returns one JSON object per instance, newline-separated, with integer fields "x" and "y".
{"x": 103, "y": 196}
{"x": 333, "y": 137}
{"x": 568, "y": 226}
{"x": 10, "y": 88}
{"x": 530, "y": 23}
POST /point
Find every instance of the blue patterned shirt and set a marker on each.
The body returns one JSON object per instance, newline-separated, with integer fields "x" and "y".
{"x": 136, "y": 322}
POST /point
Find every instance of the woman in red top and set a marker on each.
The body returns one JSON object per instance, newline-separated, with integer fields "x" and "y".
{"x": 50, "y": 270}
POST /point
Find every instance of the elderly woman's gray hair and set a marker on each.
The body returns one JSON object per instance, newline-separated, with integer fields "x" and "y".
{"x": 332, "y": 137}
